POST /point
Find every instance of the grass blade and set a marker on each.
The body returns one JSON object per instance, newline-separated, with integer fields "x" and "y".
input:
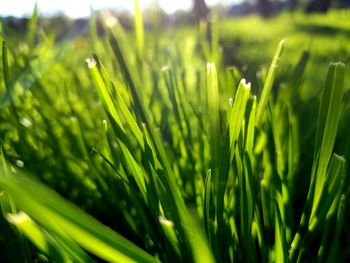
{"x": 213, "y": 111}
{"x": 38, "y": 237}
{"x": 139, "y": 27}
{"x": 329, "y": 115}
{"x": 40, "y": 203}
{"x": 270, "y": 78}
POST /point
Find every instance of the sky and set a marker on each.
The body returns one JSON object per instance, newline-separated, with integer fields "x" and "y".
{"x": 81, "y": 8}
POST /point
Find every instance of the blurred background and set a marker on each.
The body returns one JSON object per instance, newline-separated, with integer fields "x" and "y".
{"x": 174, "y": 10}
{"x": 243, "y": 23}
{"x": 247, "y": 30}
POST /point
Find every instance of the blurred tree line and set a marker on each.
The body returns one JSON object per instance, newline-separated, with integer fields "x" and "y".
{"x": 268, "y": 7}
{"x": 67, "y": 28}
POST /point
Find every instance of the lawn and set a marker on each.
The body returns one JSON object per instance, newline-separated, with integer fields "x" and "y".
{"x": 175, "y": 146}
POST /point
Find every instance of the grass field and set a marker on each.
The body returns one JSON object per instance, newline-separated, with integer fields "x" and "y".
{"x": 169, "y": 146}
{"x": 324, "y": 36}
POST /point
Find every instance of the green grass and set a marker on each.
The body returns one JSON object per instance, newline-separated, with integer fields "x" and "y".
{"x": 155, "y": 150}
{"x": 325, "y": 37}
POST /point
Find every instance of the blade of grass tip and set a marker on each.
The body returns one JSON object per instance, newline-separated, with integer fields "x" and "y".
{"x": 139, "y": 27}
{"x": 38, "y": 237}
{"x": 232, "y": 77}
{"x": 329, "y": 115}
{"x": 120, "y": 50}
{"x": 31, "y": 31}
{"x": 234, "y": 128}
{"x": 52, "y": 211}
{"x": 270, "y": 78}
{"x": 236, "y": 119}
{"x": 120, "y": 103}
{"x": 296, "y": 77}
{"x": 299, "y": 70}
{"x": 330, "y": 97}
{"x": 169, "y": 230}
{"x": 238, "y": 111}
{"x": 103, "y": 91}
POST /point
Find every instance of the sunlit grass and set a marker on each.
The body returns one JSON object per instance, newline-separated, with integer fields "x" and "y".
{"x": 166, "y": 155}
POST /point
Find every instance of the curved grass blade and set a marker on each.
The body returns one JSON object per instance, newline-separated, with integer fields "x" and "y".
{"x": 20, "y": 244}
{"x": 329, "y": 115}
{"x": 53, "y": 212}
{"x": 39, "y": 237}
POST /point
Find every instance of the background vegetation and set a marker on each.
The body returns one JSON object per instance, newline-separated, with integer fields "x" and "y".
{"x": 180, "y": 145}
